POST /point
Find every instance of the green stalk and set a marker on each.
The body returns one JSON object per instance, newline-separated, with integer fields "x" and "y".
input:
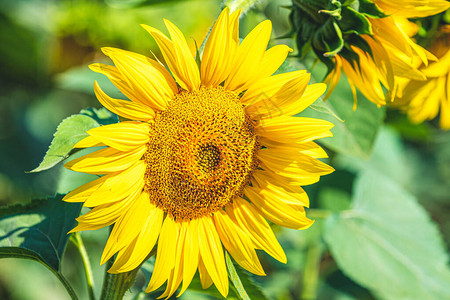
{"x": 311, "y": 273}
{"x": 315, "y": 213}
{"x": 115, "y": 285}
{"x": 78, "y": 242}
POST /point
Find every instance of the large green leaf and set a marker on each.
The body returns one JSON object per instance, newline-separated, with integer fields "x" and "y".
{"x": 388, "y": 244}
{"x": 38, "y": 231}
{"x": 389, "y": 158}
{"x": 70, "y": 131}
{"x": 356, "y": 135}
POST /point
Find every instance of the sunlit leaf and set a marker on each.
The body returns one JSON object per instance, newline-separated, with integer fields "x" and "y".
{"x": 38, "y": 231}
{"x": 388, "y": 244}
{"x": 70, "y": 131}
{"x": 356, "y": 135}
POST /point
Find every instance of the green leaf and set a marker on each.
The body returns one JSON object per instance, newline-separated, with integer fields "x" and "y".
{"x": 38, "y": 231}
{"x": 69, "y": 132}
{"x": 244, "y": 286}
{"x": 324, "y": 107}
{"x": 389, "y": 158}
{"x": 334, "y": 199}
{"x": 388, "y": 244}
{"x": 356, "y": 135}
{"x": 81, "y": 79}
{"x": 101, "y": 115}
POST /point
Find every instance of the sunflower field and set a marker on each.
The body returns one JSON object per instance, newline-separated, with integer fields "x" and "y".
{"x": 224, "y": 149}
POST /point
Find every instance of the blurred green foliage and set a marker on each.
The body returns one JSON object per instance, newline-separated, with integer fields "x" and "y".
{"x": 373, "y": 235}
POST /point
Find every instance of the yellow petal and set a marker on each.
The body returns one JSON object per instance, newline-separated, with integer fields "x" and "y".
{"x": 87, "y": 142}
{"x": 151, "y": 82}
{"x": 215, "y": 65}
{"x": 444, "y": 120}
{"x": 288, "y": 193}
{"x": 117, "y": 79}
{"x": 248, "y": 57}
{"x": 250, "y": 220}
{"x": 366, "y": 78}
{"x": 83, "y": 192}
{"x": 212, "y": 254}
{"x": 205, "y": 279}
{"x": 277, "y": 211}
{"x": 191, "y": 254}
{"x": 123, "y": 136}
{"x": 176, "y": 275}
{"x": 165, "y": 256}
{"x": 267, "y": 87}
{"x": 234, "y": 29}
{"x": 272, "y": 60}
{"x": 106, "y": 214}
{"x": 144, "y": 243}
{"x": 127, "y": 227}
{"x": 238, "y": 243}
{"x": 126, "y": 109}
{"x": 177, "y": 56}
{"x": 290, "y": 156}
{"x": 294, "y": 129}
{"x": 118, "y": 185}
{"x": 308, "y": 148}
{"x": 106, "y": 160}
{"x": 333, "y": 77}
{"x": 286, "y": 101}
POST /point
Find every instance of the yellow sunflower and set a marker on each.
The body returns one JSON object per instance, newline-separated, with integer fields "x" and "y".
{"x": 413, "y": 8}
{"x": 423, "y": 100}
{"x": 207, "y": 155}
{"x": 394, "y": 57}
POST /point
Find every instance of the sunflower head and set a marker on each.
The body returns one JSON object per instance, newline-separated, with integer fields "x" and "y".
{"x": 208, "y": 153}
{"x": 201, "y": 153}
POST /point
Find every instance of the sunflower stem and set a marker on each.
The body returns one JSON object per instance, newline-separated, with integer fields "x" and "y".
{"x": 115, "y": 285}
{"x": 78, "y": 242}
{"x": 315, "y": 213}
{"x": 311, "y": 273}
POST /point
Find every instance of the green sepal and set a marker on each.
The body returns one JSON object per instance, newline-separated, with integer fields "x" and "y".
{"x": 328, "y": 39}
{"x": 354, "y": 22}
{"x": 358, "y": 41}
{"x": 327, "y": 60}
{"x": 370, "y": 9}
{"x": 350, "y": 56}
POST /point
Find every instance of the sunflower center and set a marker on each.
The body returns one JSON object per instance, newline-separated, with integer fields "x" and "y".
{"x": 201, "y": 153}
{"x": 208, "y": 157}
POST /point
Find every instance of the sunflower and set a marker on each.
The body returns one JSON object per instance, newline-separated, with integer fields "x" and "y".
{"x": 206, "y": 155}
{"x": 413, "y": 8}
{"x": 392, "y": 58}
{"x": 423, "y": 100}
